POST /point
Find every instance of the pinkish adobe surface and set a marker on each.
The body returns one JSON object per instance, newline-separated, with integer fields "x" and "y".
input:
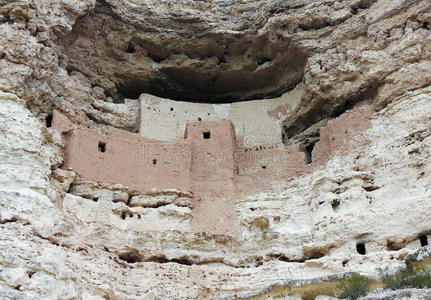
{"x": 210, "y": 162}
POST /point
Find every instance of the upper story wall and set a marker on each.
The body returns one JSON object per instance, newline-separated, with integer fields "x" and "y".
{"x": 256, "y": 122}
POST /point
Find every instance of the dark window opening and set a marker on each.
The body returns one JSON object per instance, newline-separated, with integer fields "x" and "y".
{"x": 131, "y": 48}
{"x": 308, "y": 150}
{"x": 207, "y": 135}
{"x": 102, "y": 147}
{"x": 172, "y": 109}
{"x": 424, "y": 240}
{"x": 199, "y": 119}
{"x": 48, "y": 120}
{"x": 360, "y": 248}
{"x": 263, "y": 167}
{"x": 154, "y": 161}
{"x": 335, "y": 203}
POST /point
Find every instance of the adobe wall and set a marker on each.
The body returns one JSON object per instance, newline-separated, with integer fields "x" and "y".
{"x": 129, "y": 159}
{"x": 257, "y": 122}
{"x": 339, "y": 134}
{"x": 213, "y": 167}
{"x": 261, "y": 167}
{"x": 213, "y": 171}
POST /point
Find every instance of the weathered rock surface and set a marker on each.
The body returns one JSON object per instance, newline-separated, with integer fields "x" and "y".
{"x": 64, "y": 238}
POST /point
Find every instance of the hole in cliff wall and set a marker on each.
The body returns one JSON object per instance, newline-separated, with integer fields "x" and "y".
{"x": 102, "y": 147}
{"x": 131, "y": 48}
{"x": 424, "y": 240}
{"x": 207, "y": 135}
{"x": 154, "y": 161}
{"x": 360, "y": 248}
{"x": 131, "y": 257}
{"x": 180, "y": 61}
{"x": 335, "y": 203}
{"x": 161, "y": 259}
{"x": 308, "y": 151}
{"x": 48, "y": 120}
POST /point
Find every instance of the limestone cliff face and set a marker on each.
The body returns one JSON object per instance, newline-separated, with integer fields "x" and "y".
{"x": 366, "y": 207}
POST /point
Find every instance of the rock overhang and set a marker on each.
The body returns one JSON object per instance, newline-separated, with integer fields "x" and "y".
{"x": 128, "y": 51}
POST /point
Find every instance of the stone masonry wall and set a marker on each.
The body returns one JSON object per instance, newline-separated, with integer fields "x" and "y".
{"x": 214, "y": 166}
{"x": 257, "y": 122}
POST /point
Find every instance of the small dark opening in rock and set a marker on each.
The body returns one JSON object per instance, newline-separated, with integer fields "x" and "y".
{"x": 263, "y": 60}
{"x": 424, "y": 240}
{"x": 48, "y": 120}
{"x": 130, "y": 257}
{"x": 154, "y": 161}
{"x": 123, "y": 215}
{"x": 360, "y": 248}
{"x": 263, "y": 167}
{"x": 131, "y": 48}
{"x": 207, "y": 135}
{"x": 308, "y": 150}
{"x": 426, "y": 25}
{"x": 172, "y": 109}
{"x": 199, "y": 119}
{"x": 335, "y": 203}
{"x": 96, "y": 199}
{"x": 102, "y": 147}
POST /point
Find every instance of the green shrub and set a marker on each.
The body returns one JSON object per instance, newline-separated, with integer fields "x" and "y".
{"x": 406, "y": 277}
{"x": 353, "y": 287}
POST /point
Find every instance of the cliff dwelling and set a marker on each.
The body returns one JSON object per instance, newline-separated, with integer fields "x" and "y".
{"x": 194, "y": 149}
{"x": 207, "y": 156}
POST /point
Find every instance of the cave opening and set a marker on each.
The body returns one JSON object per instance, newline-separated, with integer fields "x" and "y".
{"x": 360, "y": 248}
{"x": 424, "y": 240}
{"x": 48, "y": 120}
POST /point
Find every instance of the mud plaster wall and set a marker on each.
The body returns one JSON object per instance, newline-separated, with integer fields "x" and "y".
{"x": 129, "y": 159}
{"x": 258, "y": 122}
{"x": 211, "y": 166}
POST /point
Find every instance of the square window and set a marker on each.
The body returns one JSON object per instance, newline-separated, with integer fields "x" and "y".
{"x": 102, "y": 147}
{"x": 207, "y": 135}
